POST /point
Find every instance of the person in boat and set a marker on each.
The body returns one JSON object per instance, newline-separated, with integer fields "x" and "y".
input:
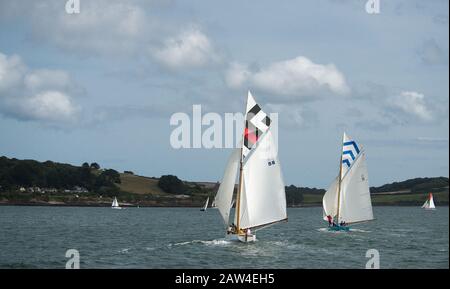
{"x": 231, "y": 229}
{"x": 249, "y": 232}
{"x": 330, "y": 220}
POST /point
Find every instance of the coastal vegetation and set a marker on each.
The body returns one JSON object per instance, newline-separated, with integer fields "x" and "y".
{"x": 30, "y": 182}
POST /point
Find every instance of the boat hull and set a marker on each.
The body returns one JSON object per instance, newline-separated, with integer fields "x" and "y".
{"x": 116, "y": 208}
{"x": 244, "y": 238}
{"x": 339, "y": 228}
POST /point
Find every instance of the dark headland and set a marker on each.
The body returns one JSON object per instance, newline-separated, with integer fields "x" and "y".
{"x": 29, "y": 182}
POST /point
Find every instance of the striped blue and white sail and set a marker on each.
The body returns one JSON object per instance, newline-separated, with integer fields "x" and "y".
{"x": 355, "y": 204}
{"x": 350, "y": 152}
{"x": 348, "y": 198}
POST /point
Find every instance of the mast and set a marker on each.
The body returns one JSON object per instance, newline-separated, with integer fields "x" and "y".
{"x": 238, "y": 197}
{"x": 340, "y": 181}
{"x": 241, "y": 161}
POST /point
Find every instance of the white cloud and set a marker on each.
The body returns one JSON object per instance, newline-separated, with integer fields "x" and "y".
{"x": 191, "y": 48}
{"x": 120, "y": 28}
{"x": 101, "y": 27}
{"x": 237, "y": 75}
{"x": 294, "y": 115}
{"x": 41, "y": 95}
{"x": 298, "y": 77}
{"x": 411, "y": 103}
{"x": 11, "y": 71}
{"x": 45, "y": 78}
{"x": 48, "y": 105}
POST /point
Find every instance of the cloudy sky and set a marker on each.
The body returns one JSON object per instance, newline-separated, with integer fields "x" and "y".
{"x": 102, "y": 85}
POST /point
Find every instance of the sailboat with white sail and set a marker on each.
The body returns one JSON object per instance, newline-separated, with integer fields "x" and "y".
{"x": 347, "y": 200}
{"x": 429, "y": 203}
{"x": 261, "y": 197}
{"x": 214, "y": 206}
{"x": 205, "y": 206}
{"x": 115, "y": 204}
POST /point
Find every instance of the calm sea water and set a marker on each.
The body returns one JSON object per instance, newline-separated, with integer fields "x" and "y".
{"x": 38, "y": 237}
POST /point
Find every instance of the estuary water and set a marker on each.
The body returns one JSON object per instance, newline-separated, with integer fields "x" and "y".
{"x": 38, "y": 237}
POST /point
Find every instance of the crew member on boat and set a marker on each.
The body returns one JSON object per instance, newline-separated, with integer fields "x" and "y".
{"x": 330, "y": 220}
{"x": 231, "y": 229}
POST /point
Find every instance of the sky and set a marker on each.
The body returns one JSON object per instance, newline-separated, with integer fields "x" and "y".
{"x": 102, "y": 85}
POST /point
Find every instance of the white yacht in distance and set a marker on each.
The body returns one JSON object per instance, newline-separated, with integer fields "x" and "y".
{"x": 429, "y": 203}
{"x": 203, "y": 209}
{"x": 115, "y": 204}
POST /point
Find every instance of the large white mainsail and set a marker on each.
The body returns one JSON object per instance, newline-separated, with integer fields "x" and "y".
{"x": 355, "y": 202}
{"x": 262, "y": 199}
{"x": 224, "y": 196}
{"x": 348, "y": 198}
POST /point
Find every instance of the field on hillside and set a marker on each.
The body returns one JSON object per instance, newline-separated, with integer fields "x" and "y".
{"x": 439, "y": 198}
{"x": 140, "y": 185}
{"x": 389, "y": 199}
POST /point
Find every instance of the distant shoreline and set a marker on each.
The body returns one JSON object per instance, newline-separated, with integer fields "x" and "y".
{"x": 18, "y": 204}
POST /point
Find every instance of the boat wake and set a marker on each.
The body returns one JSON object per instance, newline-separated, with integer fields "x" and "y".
{"x": 359, "y": 230}
{"x": 217, "y": 242}
{"x": 339, "y": 232}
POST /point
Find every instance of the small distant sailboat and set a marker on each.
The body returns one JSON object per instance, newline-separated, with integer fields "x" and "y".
{"x": 115, "y": 204}
{"x": 203, "y": 209}
{"x": 261, "y": 197}
{"x": 429, "y": 203}
{"x": 347, "y": 200}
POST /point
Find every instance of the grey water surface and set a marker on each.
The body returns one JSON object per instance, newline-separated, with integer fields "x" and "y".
{"x": 38, "y": 237}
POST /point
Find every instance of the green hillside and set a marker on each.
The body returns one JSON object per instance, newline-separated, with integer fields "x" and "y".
{"x": 31, "y": 182}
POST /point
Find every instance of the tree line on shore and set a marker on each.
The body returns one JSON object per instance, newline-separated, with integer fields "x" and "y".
{"x": 15, "y": 174}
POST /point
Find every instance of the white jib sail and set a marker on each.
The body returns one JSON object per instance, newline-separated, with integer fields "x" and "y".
{"x": 329, "y": 201}
{"x": 263, "y": 197}
{"x": 224, "y": 195}
{"x": 206, "y": 204}
{"x": 355, "y": 203}
{"x": 115, "y": 203}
